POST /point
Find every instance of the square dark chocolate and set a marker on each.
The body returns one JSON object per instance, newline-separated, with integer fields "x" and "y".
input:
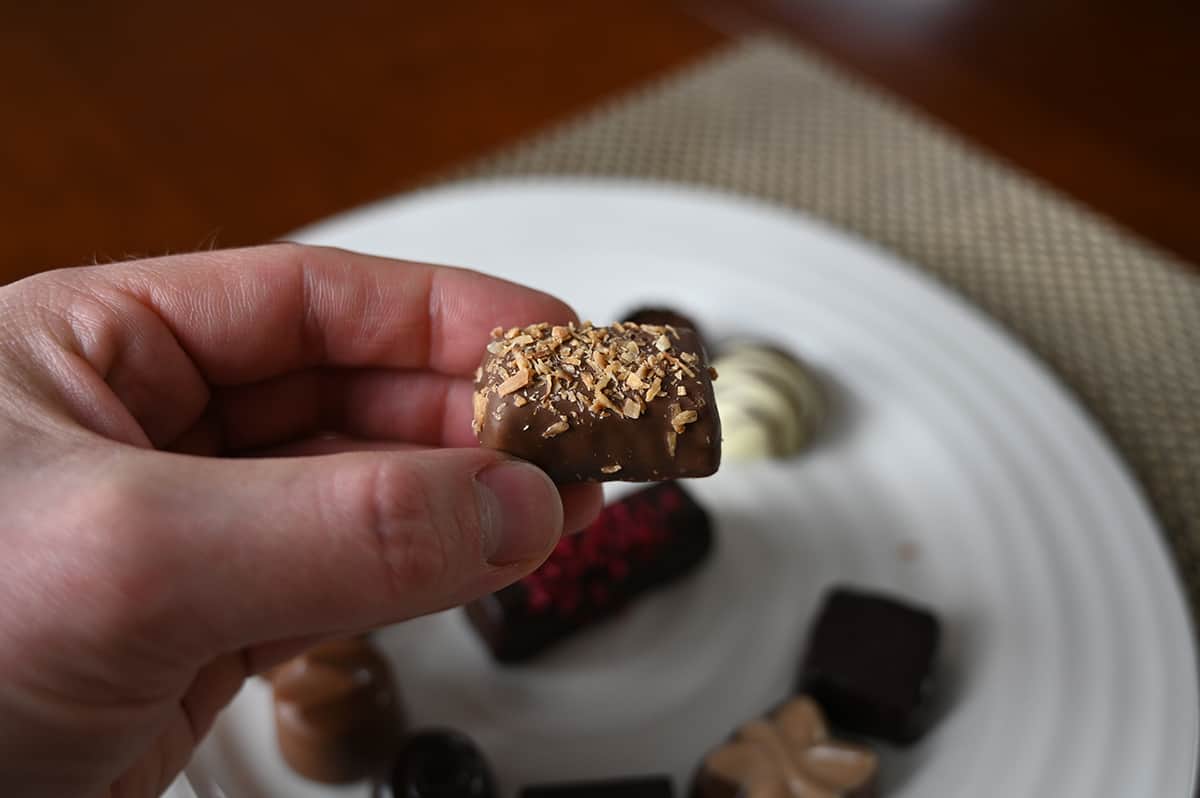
{"x": 624, "y": 787}
{"x": 870, "y": 664}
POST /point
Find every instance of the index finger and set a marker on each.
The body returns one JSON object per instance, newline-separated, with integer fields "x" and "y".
{"x": 244, "y": 315}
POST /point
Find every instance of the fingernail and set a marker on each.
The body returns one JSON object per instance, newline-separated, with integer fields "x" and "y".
{"x": 520, "y": 512}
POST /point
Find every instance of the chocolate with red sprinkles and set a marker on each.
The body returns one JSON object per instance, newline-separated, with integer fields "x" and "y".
{"x": 642, "y": 542}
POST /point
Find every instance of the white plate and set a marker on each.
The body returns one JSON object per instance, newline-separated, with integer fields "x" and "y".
{"x": 958, "y": 474}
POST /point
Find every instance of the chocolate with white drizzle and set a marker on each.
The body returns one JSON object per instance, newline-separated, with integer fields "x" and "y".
{"x": 771, "y": 403}
{"x": 630, "y": 402}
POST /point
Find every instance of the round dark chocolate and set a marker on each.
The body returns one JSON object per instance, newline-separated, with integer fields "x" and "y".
{"x": 438, "y": 763}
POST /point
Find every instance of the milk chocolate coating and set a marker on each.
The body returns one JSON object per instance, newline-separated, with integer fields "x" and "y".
{"x": 870, "y": 664}
{"x": 789, "y": 754}
{"x": 438, "y": 763}
{"x": 337, "y": 713}
{"x": 624, "y": 787}
{"x": 640, "y": 543}
{"x": 578, "y": 432}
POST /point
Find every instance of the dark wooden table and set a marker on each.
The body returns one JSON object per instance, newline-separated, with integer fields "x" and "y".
{"x": 145, "y": 127}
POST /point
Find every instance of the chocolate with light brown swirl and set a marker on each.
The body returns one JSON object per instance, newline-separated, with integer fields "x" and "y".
{"x": 337, "y": 711}
{"x": 629, "y": 402}
{"x": 787, "y": 755}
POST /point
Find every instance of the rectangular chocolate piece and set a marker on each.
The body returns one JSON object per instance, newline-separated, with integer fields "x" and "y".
{"x": 630, "y": 402}
{"x": 625, "y": 787}
{"x": 870, "y": 664}
{"x": 642, "y": 542}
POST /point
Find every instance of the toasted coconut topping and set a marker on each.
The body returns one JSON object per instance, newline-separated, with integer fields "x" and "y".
{"x": 622, "y": 371}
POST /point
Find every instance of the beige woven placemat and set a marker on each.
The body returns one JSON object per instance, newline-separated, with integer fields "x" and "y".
{"x": 1118, "y": 320}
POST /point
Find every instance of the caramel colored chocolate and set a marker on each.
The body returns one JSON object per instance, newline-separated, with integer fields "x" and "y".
{"x": 870, "y": 664}
{"x": 337, "y": 713}
{"x": 645, "y": 541}
{"x": 628, "y": 402}
{"x": 787, "y": 755}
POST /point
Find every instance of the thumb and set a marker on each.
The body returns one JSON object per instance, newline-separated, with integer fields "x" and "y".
{"x": 268, "y": 549}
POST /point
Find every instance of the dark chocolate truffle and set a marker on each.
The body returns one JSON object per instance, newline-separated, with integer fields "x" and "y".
{"x": 627, "y": 402}
{"x": 870, "y": 664}
{"x": 438, "y": 763}
{"x": 337, "y": 713}
{"x": 642, "y": 542}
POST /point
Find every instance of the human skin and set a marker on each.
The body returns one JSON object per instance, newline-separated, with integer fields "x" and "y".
{"x": 211, "y": 461}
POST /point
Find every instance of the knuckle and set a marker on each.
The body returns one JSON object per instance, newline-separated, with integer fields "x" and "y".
{"x": 115, "y": 551}
{"x": 116, "y": 501}
{"x": 407, "y": 529}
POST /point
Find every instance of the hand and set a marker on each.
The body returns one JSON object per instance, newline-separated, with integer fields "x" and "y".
{"x": 175, "y": 514}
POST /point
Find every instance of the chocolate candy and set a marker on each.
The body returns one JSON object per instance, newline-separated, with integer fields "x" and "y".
{"x": 771, "y": 405}
{"x": 642, "y": 542}
{"x": 337, "y": 713}
{"x": 438, "y": 763}
{"x": 870, "y": 664}
{"x": 662, "y": 316}
{"x": 625, "y": 787}
{"x": 787, "y": 755}
{"x": 628, "y": 402}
